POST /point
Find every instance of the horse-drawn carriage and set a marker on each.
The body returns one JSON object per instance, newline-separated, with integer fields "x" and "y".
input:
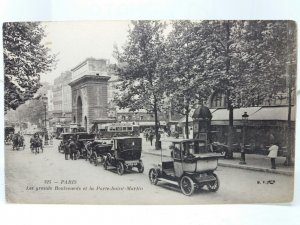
{"x": 9, "y": 132}
{"x": 36, "y": 144}
{"x": 126, "y": 155}
{"x": 192, "y": 166}
{"x": 98, "y": 150}
{"x": 18, "y": 142}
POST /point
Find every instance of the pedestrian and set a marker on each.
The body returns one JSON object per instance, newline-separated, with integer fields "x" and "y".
{"x": 147, "y": 135}
{"x": 273, "y": 151}
{"x": 46, "y": 138}
{"x": 51, "y": 139}
{"x": 151, "y": 136}
{"x": 67, "y": 152}
{"x": 72, "y": 149}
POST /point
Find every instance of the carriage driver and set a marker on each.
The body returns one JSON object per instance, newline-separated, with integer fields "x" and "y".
{"x": 33, "y": 140}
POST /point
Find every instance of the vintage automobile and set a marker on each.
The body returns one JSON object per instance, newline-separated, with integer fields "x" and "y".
{"x": 82, "y": 139}
{"x": 192, "y": 166}
{"x": 126, "y": 155}
{"x": 98, "y": 150}
{"x": 65, "y": 137}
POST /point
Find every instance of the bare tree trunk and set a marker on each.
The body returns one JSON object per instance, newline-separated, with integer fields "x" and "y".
{"x": 290, "y": 147}
{"x": 230, "y": 107}
{"x": 230, "y": 131}
{"x": 187, "y": 122}
{"x": 157, "y": 139}
{"x": 290, "y": 139}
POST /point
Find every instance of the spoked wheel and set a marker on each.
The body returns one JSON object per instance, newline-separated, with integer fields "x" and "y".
{"x": 214, "y": 185}
{"x": 120, "y": 168}
{"x": 153, "y": 176}
{"x": 140, "y": 167}
{"x": 187, "y": 185}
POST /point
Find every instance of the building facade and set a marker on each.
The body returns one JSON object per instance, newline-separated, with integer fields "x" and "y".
{"x": 61, "y": 99}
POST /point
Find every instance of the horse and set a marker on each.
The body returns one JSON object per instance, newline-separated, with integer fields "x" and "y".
{"x": 18, "y": 141}
{"x": 36, "y": 145}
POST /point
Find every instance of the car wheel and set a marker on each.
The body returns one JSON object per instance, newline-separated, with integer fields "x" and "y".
{"x": 120, "y": 168}
{"x": 141, "y": 167}
{"x": 187, "y": 185}
{"x": 153, "y": 176}
{"x": 214, "y": 185}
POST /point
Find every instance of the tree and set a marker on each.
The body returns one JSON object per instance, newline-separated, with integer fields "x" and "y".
{"x": 141, "y": 71}
{"x": 25, "y": 59}
{"x": 291, "y": 78}
{"x": 244, "y": 60}
{"x": 186, "y": 85}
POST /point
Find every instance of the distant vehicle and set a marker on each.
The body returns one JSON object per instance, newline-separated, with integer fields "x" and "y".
{"x": 82, "y": 139}
{"x": 18, "y": 142}
{"x": 192, "y": 166}
{"x": 98, "y": 150}
{"x": 9, "y": 131}
{"x": 126, "y": 155}
{"x": 63, "y": 145}
{"x": 118, "y": 130}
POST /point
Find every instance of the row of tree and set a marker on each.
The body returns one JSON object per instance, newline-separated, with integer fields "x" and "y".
{"x": 34, "y": 109}
{"x": 186, "y": 61}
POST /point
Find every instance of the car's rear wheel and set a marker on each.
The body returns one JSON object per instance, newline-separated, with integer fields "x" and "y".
{"x": 153, "y": 176}
{"x": 187, "y": 185}
{"x": 120, "y": 168}
{"x": 140, "y": 167}
{"x": 214, "y": 185}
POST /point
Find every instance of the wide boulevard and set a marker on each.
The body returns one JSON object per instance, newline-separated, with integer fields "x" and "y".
{"x": 49, "y": 178}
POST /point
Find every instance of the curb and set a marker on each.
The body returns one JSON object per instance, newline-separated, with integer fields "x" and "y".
{"x": 287, "y": 173}
{"x": 244, "y": 167}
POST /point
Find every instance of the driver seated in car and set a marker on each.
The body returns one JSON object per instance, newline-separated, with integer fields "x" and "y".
{"x": 187, "y": 154}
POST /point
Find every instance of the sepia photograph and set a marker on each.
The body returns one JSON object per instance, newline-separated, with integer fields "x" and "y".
{"x": 150, "y": 112}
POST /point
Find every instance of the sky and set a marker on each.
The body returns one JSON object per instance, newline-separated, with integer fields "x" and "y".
{"x": 76, "y": 41}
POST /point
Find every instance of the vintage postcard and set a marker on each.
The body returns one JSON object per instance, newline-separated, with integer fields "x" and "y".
{"x": 150, "y": 112}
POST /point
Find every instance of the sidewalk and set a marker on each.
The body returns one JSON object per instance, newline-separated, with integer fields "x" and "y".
{"x": 254, "y": 162}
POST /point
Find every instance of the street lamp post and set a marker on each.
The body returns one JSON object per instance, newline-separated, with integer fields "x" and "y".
{"x": 45, "y": 101}
{"x": 245, "y": 122}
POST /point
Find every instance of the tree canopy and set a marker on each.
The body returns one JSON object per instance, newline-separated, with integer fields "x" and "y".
{"x": 141, "y": 69}
{"x": 25, "y": 59}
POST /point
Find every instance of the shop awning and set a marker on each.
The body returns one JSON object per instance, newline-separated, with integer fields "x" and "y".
{"x": 273, "y": 114}
{"x": 264, "y": 113}
{"x": 223, "y": 114}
